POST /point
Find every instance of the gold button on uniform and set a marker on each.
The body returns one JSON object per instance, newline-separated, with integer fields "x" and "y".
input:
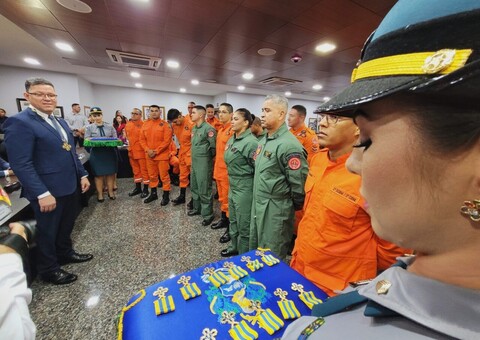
{"x": 383, "y": 286}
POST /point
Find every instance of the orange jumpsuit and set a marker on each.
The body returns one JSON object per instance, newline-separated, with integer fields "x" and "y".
{"x": 308, "y": 139}
{"x": 335, "y": 242}
{"x": 136, "y": 154}
{"x": 184, "y": 136}
{"x": 215, "y": 123}
{"x": 220, "y": 168}
{"x": 174, "y": 161}
{"x": 157, "y": 135}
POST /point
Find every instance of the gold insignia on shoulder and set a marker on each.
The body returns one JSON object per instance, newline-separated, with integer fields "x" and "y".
{"x": 383, "y": 286}
{"x": 439, "y": 61}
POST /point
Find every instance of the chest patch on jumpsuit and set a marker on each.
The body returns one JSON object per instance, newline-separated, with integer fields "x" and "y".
{"x": 210, "y": 133}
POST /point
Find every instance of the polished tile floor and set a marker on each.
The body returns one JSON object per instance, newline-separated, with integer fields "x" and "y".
{"x": 135, "y": 245}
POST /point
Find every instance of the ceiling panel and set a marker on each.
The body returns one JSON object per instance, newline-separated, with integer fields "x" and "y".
{"x": 211, "y": 39}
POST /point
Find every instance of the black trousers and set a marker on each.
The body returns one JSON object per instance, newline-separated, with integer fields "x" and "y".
{"x": 54, "y": 231}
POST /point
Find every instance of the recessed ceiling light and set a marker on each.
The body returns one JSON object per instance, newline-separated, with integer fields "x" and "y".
{"x": 266, "y": 51}
{"x": 173, "y": 64}
{"x": 64, "y": 46}
{"x": 138, "y": 85}
{"x": 135, "y": 74}
{"x": 195, "y": 82}
{"x": 317, "y": 87}
{"x": 325, "y": 47}
{"x": 247, "y": 76}
{"x": 31, "y": 61}
{"x": 326, "y": 99}
{"x": 241, "y": 87}
{"x": 183, "y": 90}
{"x": 75, "y": 5}
{"x": 288, "y": 93}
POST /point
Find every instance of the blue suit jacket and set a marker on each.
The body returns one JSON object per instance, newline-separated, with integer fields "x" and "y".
{"x": 37, "y": 158}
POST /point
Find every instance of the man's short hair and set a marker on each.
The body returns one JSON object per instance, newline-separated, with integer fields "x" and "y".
{"x": 36, "y": 81}
{"x": 209, "y": 106}
{"x": 173, "y": 114}
{"x": 228, "y": 106}
{"x": 302, "y": 111}
{"x": 3, "y": 110}
{"x": 137, "y": 109}
{"x": 201, "y": 108}
{"x": 155, "y": 106}
{"x": 278, "y": 100}
{"x": 193, "y": 103}
{"x": 75, "y": 104}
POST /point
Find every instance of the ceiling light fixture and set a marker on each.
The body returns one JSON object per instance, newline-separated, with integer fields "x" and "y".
{"x": 247, "y": 76}
{"x": 31, "y": 61}
{"x": 266, "y": 51}
{"x": 241, "y": 87}
{"x": 173, "y": 64}
{"x": 326, "y": 99}
{"x": 135, "y": 74}
{"x": 288, "y": 93}
{"x": 317, "y": 87}
{"x": 195, "y": 82}
{"x": 138, "y": 85}
{"x": 183, "y": 90}
{"x": 75, "y": 5}
{"x": 325, "y": 47}
{"x": 64, "y": 46}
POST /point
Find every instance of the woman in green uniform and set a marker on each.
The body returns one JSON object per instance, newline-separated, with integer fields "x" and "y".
{"x": 239, "y": 157}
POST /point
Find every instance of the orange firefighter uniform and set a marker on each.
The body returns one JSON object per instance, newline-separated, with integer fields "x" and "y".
{"x": 157, "y": 135}
{"x": 184, "y": 136}
{"x": 214, "y": 122}
{"x": 308, "y": 139}
{"x": 335, "y": 242}
{"x": 220, "y": 169}
{"x": 174, "y": 161}
{"x": 136, "y": 153}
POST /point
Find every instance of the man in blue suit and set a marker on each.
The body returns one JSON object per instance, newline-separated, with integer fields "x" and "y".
{"x": 42, "y": 154}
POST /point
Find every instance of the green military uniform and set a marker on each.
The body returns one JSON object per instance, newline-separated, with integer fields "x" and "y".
{"x": 278, "y": 190}
{"x": 203, "y": 153}
{"x": 238, "y": 156}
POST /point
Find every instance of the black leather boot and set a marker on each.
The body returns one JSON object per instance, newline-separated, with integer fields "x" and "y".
{"x": 190, "y": 204}
{"x": 145, "y": 192}
{"x": 225, "y": 237}
{"x": 153, "y": 196}
{"x": 221, "y": 223}
{"x": 181, "y": 198}
{"x": 165, "y": 198}
{"x": 136, "y": 191}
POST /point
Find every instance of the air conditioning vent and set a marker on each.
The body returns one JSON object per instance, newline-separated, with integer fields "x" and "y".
{"x": 279, "y": 81}
{"x": 135, "y": 60}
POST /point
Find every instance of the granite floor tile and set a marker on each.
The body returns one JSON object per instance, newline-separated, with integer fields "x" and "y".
{"x": 135, "y": 245}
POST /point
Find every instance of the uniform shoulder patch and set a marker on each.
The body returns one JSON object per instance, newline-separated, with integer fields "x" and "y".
{"x": 257, "y": 152}
{"x": 294, "y": 160}
{"x": 211, "y": 133}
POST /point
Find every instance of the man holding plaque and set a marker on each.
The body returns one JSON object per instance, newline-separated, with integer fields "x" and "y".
{"x": 41, "y": 152}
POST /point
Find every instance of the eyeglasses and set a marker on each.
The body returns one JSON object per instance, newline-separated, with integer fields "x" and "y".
{"x": 136, "y": 113}
{"x": 43, "y": 95}
{"x": 331, "y": 119}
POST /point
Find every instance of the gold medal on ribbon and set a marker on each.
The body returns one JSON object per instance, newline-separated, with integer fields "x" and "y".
{"x": 66, "y": 146}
